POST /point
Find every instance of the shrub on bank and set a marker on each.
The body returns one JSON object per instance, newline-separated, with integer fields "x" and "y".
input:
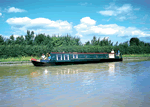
{"x": 7, "y": 51}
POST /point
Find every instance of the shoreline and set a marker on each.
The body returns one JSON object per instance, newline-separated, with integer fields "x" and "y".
{"x": 27, "y": 62}
{"x": 136, "y": 57}
{"x": 15, "y": 62}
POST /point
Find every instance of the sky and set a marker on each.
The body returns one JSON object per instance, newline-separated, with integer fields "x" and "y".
{"x": 115, "y": 20}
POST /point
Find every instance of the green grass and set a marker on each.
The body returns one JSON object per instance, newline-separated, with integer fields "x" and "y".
{"x": 136, "y": 55}
{"x": 17, "y": 59}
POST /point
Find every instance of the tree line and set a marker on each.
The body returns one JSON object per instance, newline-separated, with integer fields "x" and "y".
{"x": 30, "y": 45}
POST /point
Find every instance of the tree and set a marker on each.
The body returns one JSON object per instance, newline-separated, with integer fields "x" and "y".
{"x": 125, "y": 44}
{"x": 20, "y": 40}
{"x": 98, "y": 41}
{"x": 29, "y": 37}
{"x": 134, "y": 41}
{"x": 147, "y": 44}
{"x": 104, "y": 42}
{"x": 12, "y": 37}
{"x": 11, "y": 40}
{"x": 39, "y": 39}
{"x": 77, "y": 40}
{"x": 1, "y": 40}
{"x": 141, "y": 43}
{"x": 67, "y": 39}
{"x": 116, "y": 44}
{"x": 94, "y": 41}
{"x": 87, "y": 43}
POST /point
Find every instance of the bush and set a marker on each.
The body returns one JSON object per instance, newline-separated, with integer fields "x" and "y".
{"x": 37, "y": 50}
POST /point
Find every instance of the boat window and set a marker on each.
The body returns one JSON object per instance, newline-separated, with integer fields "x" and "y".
{"x": 59, "y": 57}
{"x": 66, "y": 57}
{"x": 75, "y": 56}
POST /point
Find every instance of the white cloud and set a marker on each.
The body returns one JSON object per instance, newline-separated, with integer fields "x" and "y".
{"x": 108, "y": 13}
{"x": 79, "y": 35}
{"x": 113, "y": 10}
{"x": 16, "y": 36}
{"x": 124, "y": 9}
{"x": 13, "y": 9}
{"x": 122, "y": 18}
{"x": 109, "y": 29}
{"x": 0, "y": 14}
{"x": 122, "y": 13}
{"x": 88, "y": 21}
{"x": 41, "y": 25}
{"x": 19, "y": 21}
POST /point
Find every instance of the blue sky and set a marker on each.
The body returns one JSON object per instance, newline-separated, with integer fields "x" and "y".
{"x": 117, "y": 20}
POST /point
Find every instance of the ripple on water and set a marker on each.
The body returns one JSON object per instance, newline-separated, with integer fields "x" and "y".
{"x": 104, "y": 84}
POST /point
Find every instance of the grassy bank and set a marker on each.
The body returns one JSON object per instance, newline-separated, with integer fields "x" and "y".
{"x": 136, "y": 55}
{"x": 17, "y": 59}
{"x": 29, "y": 57}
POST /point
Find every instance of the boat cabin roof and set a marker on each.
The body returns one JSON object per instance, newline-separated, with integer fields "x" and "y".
{"x": 75, "y": 53}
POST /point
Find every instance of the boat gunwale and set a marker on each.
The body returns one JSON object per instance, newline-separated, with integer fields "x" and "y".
{"x": 78, "y": 53}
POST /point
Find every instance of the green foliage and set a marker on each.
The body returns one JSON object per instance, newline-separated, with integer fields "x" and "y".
{"x": 39, "y": 39}
{"x": 1, "y": 40}
{"x": 19, "y": 50}
{"x": 87, "y": 43}
{"x": 29, "y": 37}
{"x": 20, "y": 40}
{"x": 134, "y": 41}
{"x": 29, "y": 45}
{"x": 83, "y": 49}
{"x": 94, "y": 41}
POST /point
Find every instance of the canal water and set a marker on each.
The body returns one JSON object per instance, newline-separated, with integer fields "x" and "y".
{"x": 113, "y": 84}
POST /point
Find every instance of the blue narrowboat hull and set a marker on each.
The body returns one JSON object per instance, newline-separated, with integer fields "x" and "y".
{"x": 51, "y": 63}
{"x": 77, "y": 58}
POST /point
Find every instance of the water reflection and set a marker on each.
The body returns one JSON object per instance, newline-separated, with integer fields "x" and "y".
{"x": 73, "y": 85}
{"x": 67, "y": 71}
{"x": 34, "y": 74}
{"x": 59, "y": 70}
{"x": 111, "y": 68}
{"x": 46, "y": 72}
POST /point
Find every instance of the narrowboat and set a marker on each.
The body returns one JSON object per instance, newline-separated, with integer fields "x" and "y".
{"x": 62, "y": 58}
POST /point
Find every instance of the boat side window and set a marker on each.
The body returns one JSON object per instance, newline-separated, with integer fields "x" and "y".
{"x": 59, "y": 57}
{"x": 66, "y": 57}
{"x": 75, "y": 56}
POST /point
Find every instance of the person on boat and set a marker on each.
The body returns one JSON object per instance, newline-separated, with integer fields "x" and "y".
{"x": 112, "y": 51}
{"x": 42, "y": 57}
{"x": 49, "y": 58}
{"x": 118, "y": 52}
{"x": 47, "y": 55}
